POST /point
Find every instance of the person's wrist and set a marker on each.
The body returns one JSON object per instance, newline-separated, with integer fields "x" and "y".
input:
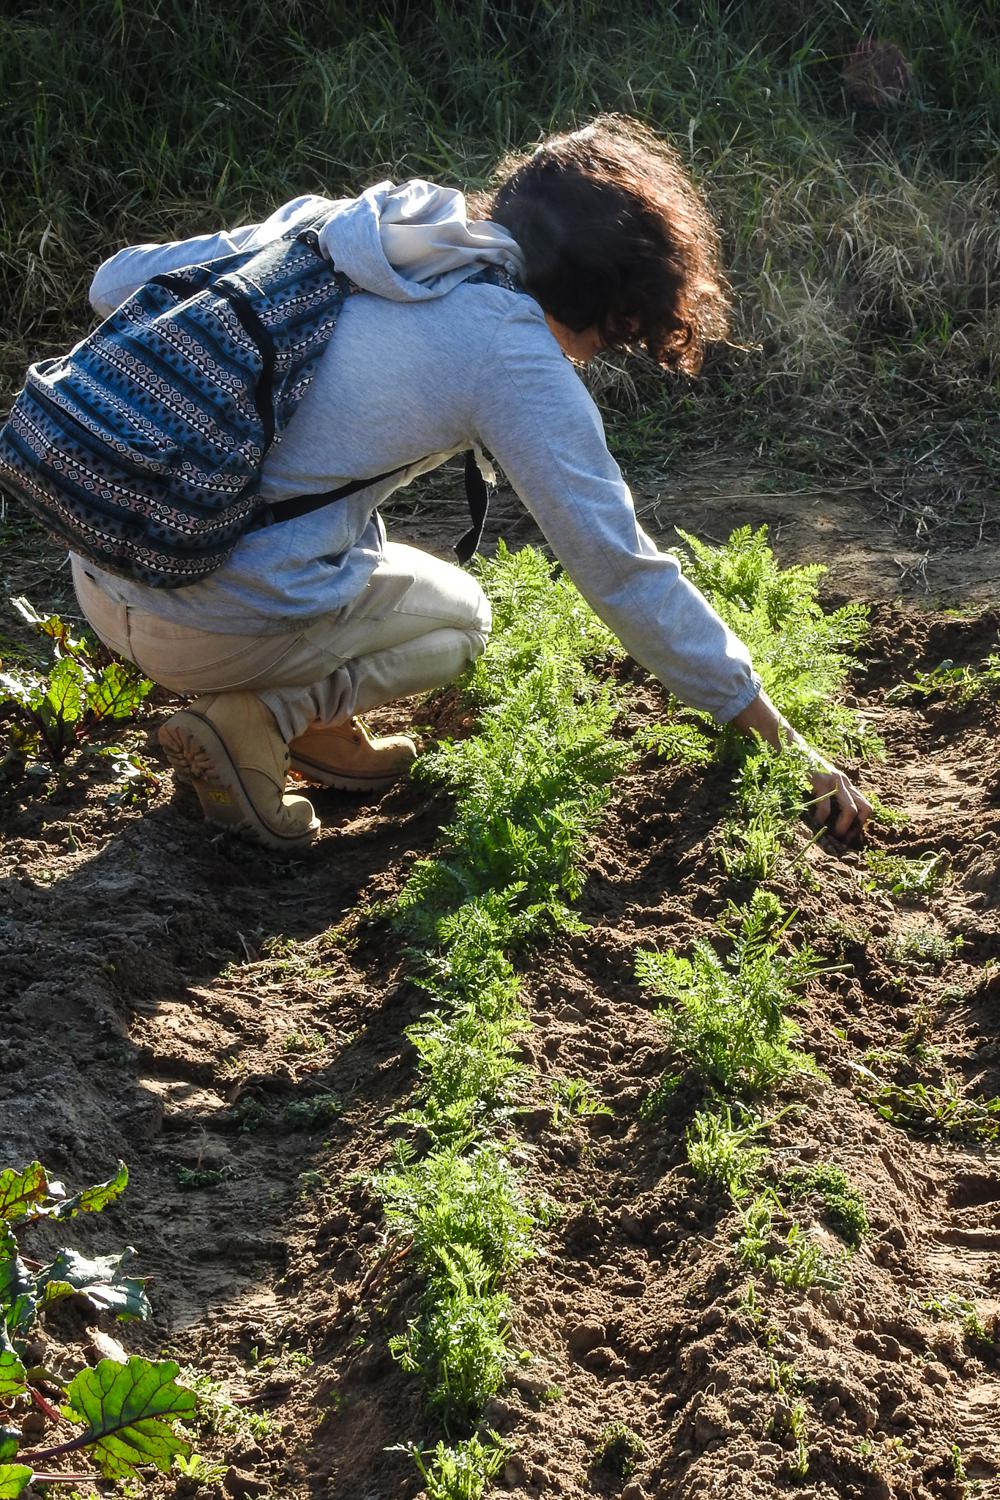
{"x": 762, "y": 718}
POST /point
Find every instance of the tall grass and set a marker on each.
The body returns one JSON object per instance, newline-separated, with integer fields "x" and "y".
{"x": 863, "y": 246}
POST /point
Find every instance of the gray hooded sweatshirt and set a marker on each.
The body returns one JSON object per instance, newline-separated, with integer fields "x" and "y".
{"x": 420, "y": 367}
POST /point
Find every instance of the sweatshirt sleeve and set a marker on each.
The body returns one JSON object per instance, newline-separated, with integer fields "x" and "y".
{"x": 122, "y": 274}
{"x": 533, "y": 413}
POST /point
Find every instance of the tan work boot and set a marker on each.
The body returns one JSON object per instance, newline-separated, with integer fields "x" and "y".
{"x": 346, "y": 756}
{"x": 229, "y": 747}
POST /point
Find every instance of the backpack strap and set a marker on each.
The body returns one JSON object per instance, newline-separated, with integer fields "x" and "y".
{"x": 476, "y": 495}
{"x": 477, "y": 498}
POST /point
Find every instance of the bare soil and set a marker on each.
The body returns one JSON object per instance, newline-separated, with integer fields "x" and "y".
{"x": 167, "y": 994}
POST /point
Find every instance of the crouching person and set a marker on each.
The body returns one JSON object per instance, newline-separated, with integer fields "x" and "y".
{"x": 221, "y": 505}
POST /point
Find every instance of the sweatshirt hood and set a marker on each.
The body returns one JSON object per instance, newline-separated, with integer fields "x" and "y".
{"x": 413, "y": 242}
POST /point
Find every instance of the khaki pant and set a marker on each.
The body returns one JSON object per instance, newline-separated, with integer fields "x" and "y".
{"x": 418, "y": 623}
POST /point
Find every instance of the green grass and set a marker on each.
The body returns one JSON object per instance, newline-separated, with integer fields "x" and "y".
{"x": 966, "y": 1314}
{"x": 901, "y": 875}
{"x": 573, "y": 1098}
{"x": 939, "y": 1110}
{"x": 922, "y": 948}
{"x": 840, "y": 1203}
{"x": 791, "y": 1260}
{"x": 958, "y": 684}
{"x": 619, "y": 1450}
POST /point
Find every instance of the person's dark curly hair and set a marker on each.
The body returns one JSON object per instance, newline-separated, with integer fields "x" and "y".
{"x": 616, "y": 237}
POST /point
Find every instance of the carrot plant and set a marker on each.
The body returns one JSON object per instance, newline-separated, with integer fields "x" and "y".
{"x": 121, "y": 1411}
{"x": 528, "y": 786}
{"x": 726, "y": 1013}
{"x": 726, "y": 1151}
{"x": 803, "y": 654}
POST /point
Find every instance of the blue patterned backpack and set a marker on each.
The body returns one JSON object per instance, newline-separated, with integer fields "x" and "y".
{"x": 141, "y": 449}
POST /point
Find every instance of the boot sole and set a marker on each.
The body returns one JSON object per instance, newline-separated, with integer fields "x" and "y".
{"x": 343, "y": 780}
{"x": 198, "y": 756}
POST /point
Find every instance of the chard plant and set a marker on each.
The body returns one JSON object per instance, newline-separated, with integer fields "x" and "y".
{"x": 54, "y": 713}
{"x": 122, "y": 1411}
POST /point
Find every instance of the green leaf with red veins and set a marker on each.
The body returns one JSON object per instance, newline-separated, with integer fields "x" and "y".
{"x": 14, "y": 1480}
{"x": 99, "y": 1280}
{"x": 20, "y": 1191}
{"x": 129, "y": 1411}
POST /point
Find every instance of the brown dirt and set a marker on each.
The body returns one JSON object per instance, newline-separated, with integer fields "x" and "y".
{"x": 167, "y": 994}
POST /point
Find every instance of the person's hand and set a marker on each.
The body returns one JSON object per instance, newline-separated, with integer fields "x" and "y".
{"x": 838, "y": 803}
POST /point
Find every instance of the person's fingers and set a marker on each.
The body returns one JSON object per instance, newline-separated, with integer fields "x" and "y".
{"x": 847, "y": 809}
{"x": 838, "y": 806}
{"x": 864, "y": 807}
{"x": 823, "y": 805}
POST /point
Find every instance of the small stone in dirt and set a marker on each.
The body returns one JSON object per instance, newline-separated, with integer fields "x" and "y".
{"x": 830, "y": 1409}
{"x": 633, "y": 1491}
{"x": 240, "y": 1484}
{"x": 632, "y": 1289}
{"x": 711, "y": 1422}
{"x": 531, "y": 1385}
{"x": 515, "y": 1472}
{"x": 603, "y": 1358}
{"x": 935, "y": 1374}
{"x": 867, "y": 1417}
{"x": 583, "y": 1337}
{"x": 499, "y": 1413}
{"x": 632, "y": 1224}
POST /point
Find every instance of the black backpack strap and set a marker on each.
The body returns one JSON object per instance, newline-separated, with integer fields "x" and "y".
{"x": 476, "y": 495}
{"x": 304, "y": 505}
{"x": 478, "y": 499}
